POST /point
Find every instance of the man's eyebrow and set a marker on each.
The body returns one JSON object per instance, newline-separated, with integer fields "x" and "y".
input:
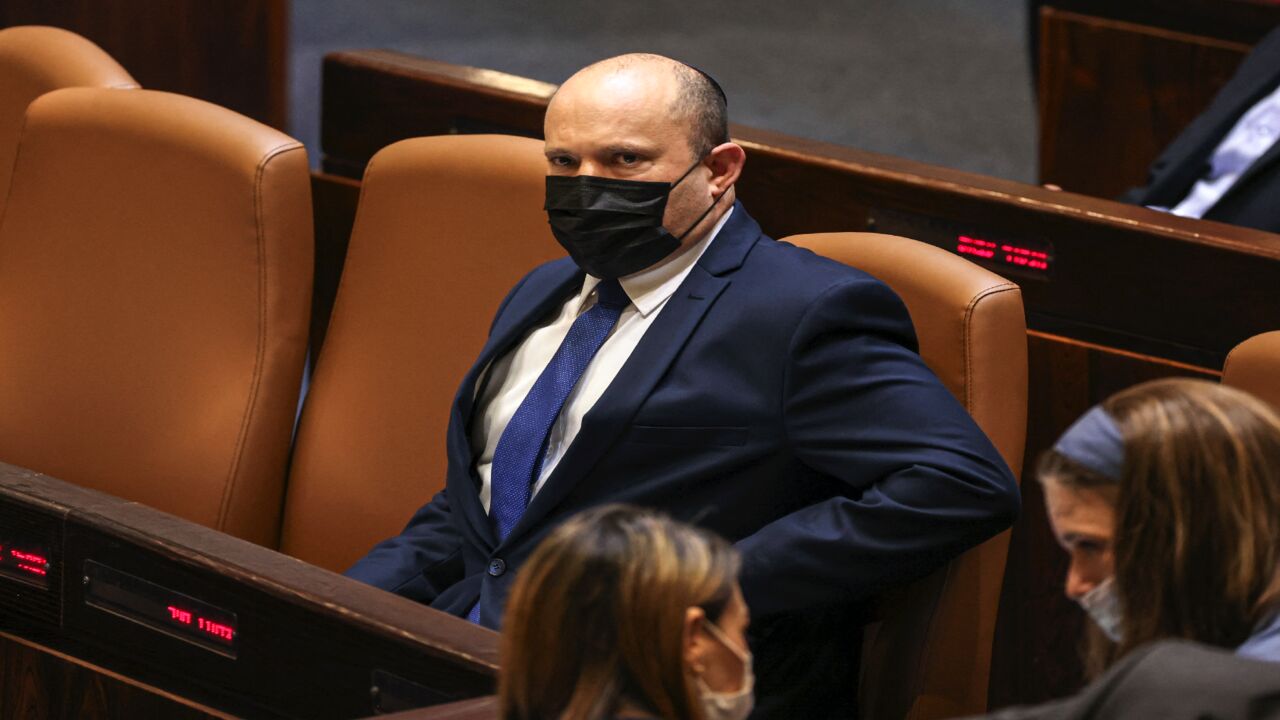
{"x": 555, "y": 151}
{"x": 629, "y": 149}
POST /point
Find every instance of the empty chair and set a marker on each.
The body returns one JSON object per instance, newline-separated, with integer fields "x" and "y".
{"x": 36, "y": 59}
{"x": 1254, "y": 366}
{"x": 155, "y": 275}
{"x": 930, "y": 654}
{"x": 445, "y": 227}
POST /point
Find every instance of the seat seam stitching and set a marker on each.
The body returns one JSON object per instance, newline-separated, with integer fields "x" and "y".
{"x": 229, "y": 490}
{"x": 967, "y": 336}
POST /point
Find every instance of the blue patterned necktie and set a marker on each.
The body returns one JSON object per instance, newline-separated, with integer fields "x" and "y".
{"x": 517, "y": 461}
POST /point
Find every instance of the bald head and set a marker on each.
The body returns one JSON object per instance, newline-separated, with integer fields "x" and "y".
{"x": 683, "y": 95}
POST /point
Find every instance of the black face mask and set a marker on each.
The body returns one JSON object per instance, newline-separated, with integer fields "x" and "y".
{"x": 613, "y": 228}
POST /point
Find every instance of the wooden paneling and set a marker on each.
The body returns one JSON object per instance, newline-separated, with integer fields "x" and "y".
{"x": 1242, "y": 21}
{"x": 379, "y": 95}
{"x": 1113, "y": 94}
{"x": 39, "y": 685}
{"x": 230, "y": 52}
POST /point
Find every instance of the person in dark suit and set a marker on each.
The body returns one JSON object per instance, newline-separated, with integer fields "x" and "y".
{"x": 1171, "y": 680}
{"x": 1225, "y": 165}
{"x": 681, "y": 360}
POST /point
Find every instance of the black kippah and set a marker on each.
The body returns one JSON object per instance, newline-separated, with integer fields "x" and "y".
{"x": 719, "y": 90}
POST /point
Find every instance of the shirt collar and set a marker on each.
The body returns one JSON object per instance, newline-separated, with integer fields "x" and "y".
{"x": 650, "y": 289}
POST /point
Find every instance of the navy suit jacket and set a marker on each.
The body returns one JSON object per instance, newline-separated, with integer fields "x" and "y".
{"x": 1254, "y": 200}
{"x": 778, "y": 399}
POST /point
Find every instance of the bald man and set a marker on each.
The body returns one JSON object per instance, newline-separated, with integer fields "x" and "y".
{"x": 681, "y": 360}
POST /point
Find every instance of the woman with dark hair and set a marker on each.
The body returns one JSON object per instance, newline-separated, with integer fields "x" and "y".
{"x": 1167, "y": 497}
{"x": 625, "y": 613}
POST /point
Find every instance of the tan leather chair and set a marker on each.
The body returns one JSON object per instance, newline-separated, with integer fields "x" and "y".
{"x": 36, "y": 59}
{"x": 445, "y": 227}
{"x": 155, "y": 282}
{"x": 1254, "y": 366}
{"x": 929, "y": 656}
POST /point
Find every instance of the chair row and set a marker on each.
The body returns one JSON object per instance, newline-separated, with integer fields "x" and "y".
{"x": 155, "y": 265}
{"x": 155, "y": 258}
{"x": 155, "y": 279}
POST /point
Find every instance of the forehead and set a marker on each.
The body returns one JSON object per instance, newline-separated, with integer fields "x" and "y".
{"x": 1079, "y": 511}
{"x": 605, "y": 108}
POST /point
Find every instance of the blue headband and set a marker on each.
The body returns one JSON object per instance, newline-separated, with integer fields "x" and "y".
{"x": 1094, "y": 442}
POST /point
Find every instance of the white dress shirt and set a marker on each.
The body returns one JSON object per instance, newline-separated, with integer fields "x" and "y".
{"x": 512, "y": 376}
{"x": 1250, "y": 139}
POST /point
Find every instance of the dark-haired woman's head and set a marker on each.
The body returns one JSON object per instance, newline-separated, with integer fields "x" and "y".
{"x": 625, "y": 610}
{"x": 1167, "y": 497}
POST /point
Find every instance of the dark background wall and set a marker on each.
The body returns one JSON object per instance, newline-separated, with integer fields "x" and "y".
{"x": 942, "y": 81}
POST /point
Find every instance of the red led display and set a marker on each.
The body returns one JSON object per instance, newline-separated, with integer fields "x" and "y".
{"x": 161, "y": 608}
{"x": 217, "y": 630}
{"x": 1024, "y": 256}
{"x": 25, "y": 563}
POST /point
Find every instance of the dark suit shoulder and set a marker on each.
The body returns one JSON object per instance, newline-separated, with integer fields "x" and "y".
{"x": 806, "y": 295}
{"x": 802, "y": 274}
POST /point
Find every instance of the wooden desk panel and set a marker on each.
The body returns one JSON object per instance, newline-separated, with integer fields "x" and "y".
{"x": 1240, "y": 21}
{"x": 307, "y": 643}
{"x": 36, "y": 684}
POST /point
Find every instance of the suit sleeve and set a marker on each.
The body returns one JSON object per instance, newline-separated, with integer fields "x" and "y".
{"x": 918, "y": 480}
{"x": 419, "y": 563}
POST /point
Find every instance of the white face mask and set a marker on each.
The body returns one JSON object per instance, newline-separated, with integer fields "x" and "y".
{"x": 735, "y": 705}
{"x": 1103, "y": 605}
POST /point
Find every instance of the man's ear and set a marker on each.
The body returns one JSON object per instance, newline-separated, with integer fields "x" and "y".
{"x": 695, "y": 641}
{"x": 726, "y": 161}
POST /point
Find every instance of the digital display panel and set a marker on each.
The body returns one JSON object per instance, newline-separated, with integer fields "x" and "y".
{"x": 26, "y": 562}
{"x": 1033, "y": 257}
{"x": 160, "y": 608}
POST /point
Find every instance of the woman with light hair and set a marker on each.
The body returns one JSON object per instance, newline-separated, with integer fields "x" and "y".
{"x": 625, "y": 613}
{"x": 1167, "y": 498}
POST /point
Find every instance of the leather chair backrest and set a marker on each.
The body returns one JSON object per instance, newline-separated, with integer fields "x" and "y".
{"x": 34, "y": 60}
{"x": 155, "y": 285}
{"x": 444, "y": 228}
{"x": 929, "y": 656}
{"x": 1254, "y": 366}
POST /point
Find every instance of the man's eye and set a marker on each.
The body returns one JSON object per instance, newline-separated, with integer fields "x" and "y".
{"x": 628, "y": 158}
{"x": 561, "y": 161}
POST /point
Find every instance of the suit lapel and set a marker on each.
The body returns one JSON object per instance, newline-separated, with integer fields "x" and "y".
{"x": 530, "y": 305}
{"x": 662, "y": 342}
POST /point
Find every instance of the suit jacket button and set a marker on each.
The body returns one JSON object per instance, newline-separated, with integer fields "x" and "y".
{"x": 497, "y": 567}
